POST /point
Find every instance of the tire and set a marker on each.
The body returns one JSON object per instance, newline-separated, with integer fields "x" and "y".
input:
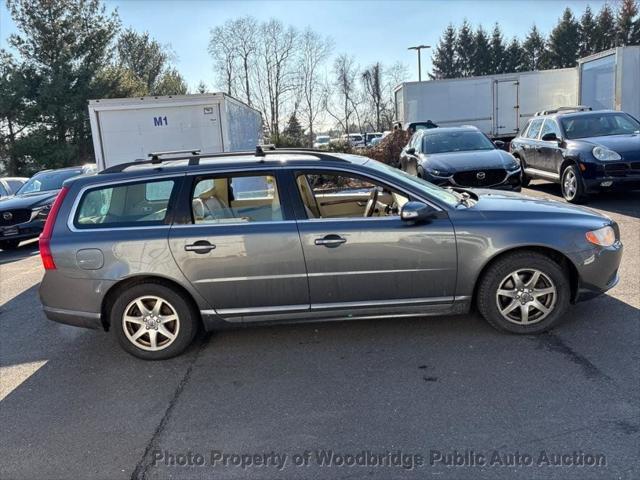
{"x": 173, "y": 304}
{"x": 525, "y": 180}
{"x": 571, "y": 185}
{"x": 420, "y": 172}
{"x": 9, "y": 244}
{"x": 552, "y": 279}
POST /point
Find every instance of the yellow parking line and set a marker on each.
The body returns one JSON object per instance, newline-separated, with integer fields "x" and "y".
{"x": 13, "y": 376}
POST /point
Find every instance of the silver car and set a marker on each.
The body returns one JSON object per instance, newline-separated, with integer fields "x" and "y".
{"x": 155, "y": 251}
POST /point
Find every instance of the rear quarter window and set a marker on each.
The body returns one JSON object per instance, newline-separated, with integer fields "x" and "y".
{"x": 131, "y": 204}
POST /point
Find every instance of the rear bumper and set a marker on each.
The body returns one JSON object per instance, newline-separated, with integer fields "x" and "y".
{"x": 74, "y": 317}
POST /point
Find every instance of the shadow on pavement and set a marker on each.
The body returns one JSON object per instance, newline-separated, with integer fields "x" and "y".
{"x": 26, "y": 249}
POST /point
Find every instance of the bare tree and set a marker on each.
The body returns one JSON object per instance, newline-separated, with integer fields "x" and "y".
{"x": 246, "y": 45}
{"x": 314, "y": 50}
{"x": 344, "y": 69}
{"x": 372, "y": 83}
{"x": 222, "y": 47}
{"x": 275, "y": 76}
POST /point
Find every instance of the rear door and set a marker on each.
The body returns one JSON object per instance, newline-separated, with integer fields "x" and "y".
{"x": 239, "y": 246}
{"x": 507, "y": 113}
{"x": 530, "y": 143}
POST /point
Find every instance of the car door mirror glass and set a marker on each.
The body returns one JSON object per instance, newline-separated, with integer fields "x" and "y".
{"x": 416, "y": 212}
{"x": 549, "y": 137}
{"x": 498, "y": 143}
{"x": 411, "y": 151}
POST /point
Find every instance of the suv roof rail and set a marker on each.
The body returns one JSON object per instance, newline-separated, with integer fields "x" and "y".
{"x": 156, "y": 155}
{"x": 260, "y": 153}
{"x": 577, "y": 108}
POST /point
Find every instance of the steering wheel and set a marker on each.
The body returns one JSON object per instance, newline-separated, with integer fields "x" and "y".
{"x": 372, "y": 202}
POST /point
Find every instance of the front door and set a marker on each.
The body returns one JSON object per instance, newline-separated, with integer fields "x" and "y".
{"x": 549, "y": 152}
{"x": 241, "y": 250}
{"x": 360, "y": 253}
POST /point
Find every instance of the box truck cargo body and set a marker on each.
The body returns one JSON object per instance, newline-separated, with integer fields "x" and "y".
{"x": 499, "y": 105}
{"x": 126, "y": 129}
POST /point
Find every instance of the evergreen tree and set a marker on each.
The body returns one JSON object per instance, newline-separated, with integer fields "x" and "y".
{"x": 564, "y": 42}
{"x": 605, "y": 37}
{"x": 626, "y": 22}
{"x": 482, "y": 53}
{"x": 465, "y": 49}
{"x": 498, "y": 51}
{"x": 588, "y": 33}
{"x": 513, "y": 57}
{"x": 171, "y": 83}
{"x": 202, "y": 88}
{"x": 293, "y": 135}
{"x": 533, "y": 51}
{"x": 445, "y": 64}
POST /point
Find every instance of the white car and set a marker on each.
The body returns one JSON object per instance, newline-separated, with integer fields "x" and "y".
{"x": 322, "y": 142}
{"x": 356, "y": 140}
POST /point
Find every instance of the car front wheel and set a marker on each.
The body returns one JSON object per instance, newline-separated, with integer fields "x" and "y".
{"x": 524, "y": 292}
{"x": 571, "y": 185}
{"x": 153, "y": 322}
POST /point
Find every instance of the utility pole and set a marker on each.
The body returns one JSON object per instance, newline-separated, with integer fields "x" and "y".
{"x": 418, "y": 48}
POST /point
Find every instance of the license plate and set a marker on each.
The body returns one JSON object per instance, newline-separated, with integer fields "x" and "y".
{"x": 7, "y": 232}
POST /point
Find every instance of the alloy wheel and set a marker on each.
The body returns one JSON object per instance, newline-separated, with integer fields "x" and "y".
{"x": 150, "y": 323}
{"x": 526, "y": 296}
{"x": 570, "y": 184}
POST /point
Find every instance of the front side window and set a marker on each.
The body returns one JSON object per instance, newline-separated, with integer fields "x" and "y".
{"x": 343, "y": 195}
{"x": 132, "y": 204}
{"x": 239, "y": 199}
{"x": 550, "y": 126}
{"x": 534, "y": 128}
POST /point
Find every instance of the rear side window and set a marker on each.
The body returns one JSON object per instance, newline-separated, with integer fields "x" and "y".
{"x": 534, "y": 128}
{"x": 132, "y": 204}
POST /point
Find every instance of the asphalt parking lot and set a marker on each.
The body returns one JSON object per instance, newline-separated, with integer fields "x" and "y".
{"x": 446, "y": 391}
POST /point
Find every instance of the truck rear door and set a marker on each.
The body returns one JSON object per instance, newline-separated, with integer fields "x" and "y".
{"x": 506, "y": 107}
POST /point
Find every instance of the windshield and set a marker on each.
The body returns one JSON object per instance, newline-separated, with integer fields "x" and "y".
{"x": 599, "y": 125}
{"x": 322, "y": 139}
{"x": 444, "y": 142}
{"x": 46, "y": 181}
{"x": 428, "y": 188}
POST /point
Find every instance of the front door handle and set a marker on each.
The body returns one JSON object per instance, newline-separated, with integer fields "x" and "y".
{"x": 201, "y": 246}
{"x": 330, "y": 241}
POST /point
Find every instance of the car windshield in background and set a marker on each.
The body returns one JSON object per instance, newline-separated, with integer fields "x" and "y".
{"x": 47, "y": 181}
{"x": 322, "y": 140}
{"x": 583, "y": 126}
{"x": 430, "y": 189}
{"x": 444, "y": 142}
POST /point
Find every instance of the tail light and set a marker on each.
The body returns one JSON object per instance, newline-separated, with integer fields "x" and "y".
{"x": 45, "y": 237}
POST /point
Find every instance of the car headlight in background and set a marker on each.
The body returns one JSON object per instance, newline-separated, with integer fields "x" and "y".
{"x": 513, "y": 166}
{"x": 438, "y": 173}
{"x": 40, "y": 212}
{"x": 602, "y": 153}
{"x": 604, "y": 237}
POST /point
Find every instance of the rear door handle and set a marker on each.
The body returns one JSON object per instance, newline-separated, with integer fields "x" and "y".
{"x": 330, "y": 241}
{"x": 201, "y": 246}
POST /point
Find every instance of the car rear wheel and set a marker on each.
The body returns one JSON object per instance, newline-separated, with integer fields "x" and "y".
{"x": 524, "y": 292}
{"x": 571, "y": 185}
{"x": 524, "y": 179}
{"x": 9, "y": 244}
{"x": 153, "y": 322}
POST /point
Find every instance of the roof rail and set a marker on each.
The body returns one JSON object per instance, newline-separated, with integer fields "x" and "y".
{"x": 260, "y": 153}
{"x": 155, "y": 156}
{"x": 577, "y": 108}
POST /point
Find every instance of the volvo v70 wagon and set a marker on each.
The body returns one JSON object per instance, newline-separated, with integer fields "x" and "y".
{"x": 154, "y": 251}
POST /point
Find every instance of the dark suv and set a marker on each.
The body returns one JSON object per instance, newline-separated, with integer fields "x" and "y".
{"x": 583, "y": 151}
{"x": 155, "y": 251}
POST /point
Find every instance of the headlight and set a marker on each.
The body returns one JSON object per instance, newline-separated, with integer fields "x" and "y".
{"x": 604, "y": 237}
{"x": 40, "y": 212}
{"x": 438, "y": 173}
{"x": 513, "y": 166}
{"x": 605, "y": 154}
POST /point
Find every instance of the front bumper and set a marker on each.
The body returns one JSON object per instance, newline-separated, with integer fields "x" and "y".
{"x": 22, "y": 231}
{"x": 612, "y": 183}
{"x": 597, "y": 270}
{"x": 511, "y": 182}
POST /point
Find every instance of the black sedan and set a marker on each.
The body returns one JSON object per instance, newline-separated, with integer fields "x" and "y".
{"x": 462, "y": 157}
{"x": 22, "y": 216}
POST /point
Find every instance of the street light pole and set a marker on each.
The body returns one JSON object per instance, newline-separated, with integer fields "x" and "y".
{"x": 418, "y": 48}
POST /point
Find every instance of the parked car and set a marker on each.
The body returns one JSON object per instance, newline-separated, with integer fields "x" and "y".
{"x": 322, "y": 142}
{"x": 377, "y": 140}
{"x": 585, "y": 152}
{"x": 460, "y": 156}
{"x": 356, "y": 140}
{"x": 23, "y": 215}
{"x": 154, "y": 252}
{"x": 10, "y": 185}
{"x": 370, "y": 137}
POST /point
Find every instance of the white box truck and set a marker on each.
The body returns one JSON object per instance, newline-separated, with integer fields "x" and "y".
{"x": 127, "y": 129}
{"x": 499, "y": 105}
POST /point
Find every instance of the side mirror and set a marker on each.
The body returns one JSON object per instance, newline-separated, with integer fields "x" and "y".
{"x": 499, "y": 143}
{"x": 549, "y": 137}
{"x": 411, "y": 151}
{"x": 416, "y": 212}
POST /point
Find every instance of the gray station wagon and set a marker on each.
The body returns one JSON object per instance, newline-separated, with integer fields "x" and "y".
{"x": 156, "y": 250}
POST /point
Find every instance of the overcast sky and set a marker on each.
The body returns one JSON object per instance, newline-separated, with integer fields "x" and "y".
{"x": 369, "y": 30}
